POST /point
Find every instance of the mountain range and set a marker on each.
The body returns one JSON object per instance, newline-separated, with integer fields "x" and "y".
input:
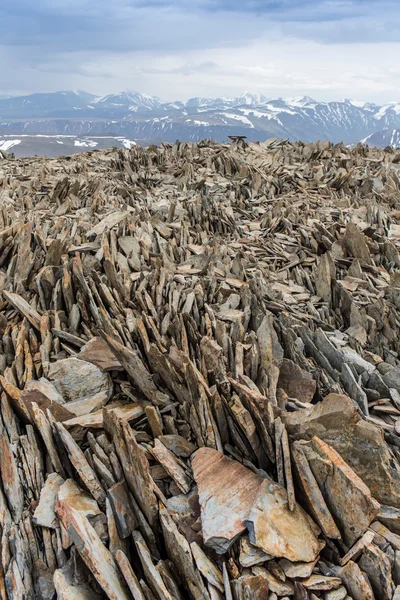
{"x": 147, "y": 119}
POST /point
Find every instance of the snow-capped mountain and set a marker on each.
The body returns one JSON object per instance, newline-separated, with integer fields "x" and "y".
{"x": 387, "y": 137}
{"x": 144, "y": 117}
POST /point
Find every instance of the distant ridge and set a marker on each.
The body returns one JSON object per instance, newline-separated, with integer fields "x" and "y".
{"x": 141, "y": 116}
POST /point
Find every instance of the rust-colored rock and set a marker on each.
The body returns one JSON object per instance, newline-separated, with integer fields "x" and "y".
{"x": 227, "y": 491}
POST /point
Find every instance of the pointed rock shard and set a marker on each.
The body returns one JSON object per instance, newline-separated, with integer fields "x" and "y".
{"x": 206, "y": 567}
{"x": 361, "y": 444}
{"x": 71, "y": 583}
{"x": 79, "y": 461}
{"x": 178, "y": 550}
{"x": 325, "y": 272}
{"x": 251, "y": 555}
{"x": 252, "y": 587}
{"x": 356, "y": 582}
{"x": 348, "y": 498}
{"x": 133, "y": 365}
{"x": 279, "y": 531}
{"x": 227, "y": 491}
{"x": 97, "y": 352}
{"x": 121, "y": 505}
{"x": 129, "y": 576}
{"x": 271, "y": 354}
{"x": 375, "y": 563}
{"x": 358, "y": 548}
{"x": 23, "y": 308}
{"x": 44, "y": 514}
{"x": 296, "y": 382}
{"x": 152, "y": 575}
{"x": 10, "y": 479}
{"x": 108, "y": 222}
{"x": 312, "y": 494}
{"x": 354, "y": 242}
{"x": 167, "y": 459}
{"x": 97, "y": 558}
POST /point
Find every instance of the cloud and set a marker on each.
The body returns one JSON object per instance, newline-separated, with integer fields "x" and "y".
{"x": 181, "y": 48}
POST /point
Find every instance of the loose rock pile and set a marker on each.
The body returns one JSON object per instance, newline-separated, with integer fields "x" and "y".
{"x": 200, "y": 374}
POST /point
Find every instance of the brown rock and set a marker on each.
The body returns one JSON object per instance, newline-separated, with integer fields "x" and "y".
{"x": 227, "y": 491}
{"x": 377, "y": 566}
{"x": 347, "y": 497}
{"x": 76, "y": 379}
{"x": 44, "y": 514}
{"x": 361, "y": 444}
{"x": 355, "y": 243}
{"x": 178, "y": 445}
{"x": 279, "y": 531}
{"x": 296, "y": 382}
{"x": 355, "y": 581}
{"x": 97, "y": 352}
{"x": 93, "y": 552}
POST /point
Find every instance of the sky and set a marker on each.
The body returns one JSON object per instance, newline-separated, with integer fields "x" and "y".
{"x": 177, "y": 49}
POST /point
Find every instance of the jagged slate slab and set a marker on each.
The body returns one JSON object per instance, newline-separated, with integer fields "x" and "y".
{"x": 376, "y": 564}
{"x": 360, "y": 444}
{"x": 121, "y": 505}
{"x": 227, "y": 491}
{"x": 347, "y": 497}
{"x": 312, "y": 494}
{"x": 44, "y": 514}
{"x": 296, "y": 382}
{"x": 97, "y": 352}
{"x": 93, "y": 552}
{"x": 70, "y": 583}
{"x": 355, "y": 581}
{"x": 279, "y": 531}
{"x": 77, "y": 379}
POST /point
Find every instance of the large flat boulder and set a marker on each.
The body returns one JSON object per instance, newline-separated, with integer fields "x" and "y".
{"x": 227, "y": 491}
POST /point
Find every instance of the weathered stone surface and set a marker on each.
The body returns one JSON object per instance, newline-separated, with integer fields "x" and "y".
{"x": 251, "y": 555}
{"x": 355, "y": 581}
{"x": 93, "y": 552}
{"x": 45, "y": 387}
{"x": 354, "y": 242}
{"x": 121, "y": 506}
{"x": 44, "y": 514}
{"x": 390, "y": 517}
{"x": 347, "y": 497}
{"x": 251, "y": 587}
{"x": 295, "y": 570}
{"x": 325, "y": 272}
{"x": 296, "y": 382}
{"x": 271, "y": 355}
{"x": 338, "y": 594}
{"x": 279, "y": 531}
{"x": 392, "y": 378}
{"x": 312, "y": 496}
{"x": 71, "y": 584}
{"x": 227, "y": 491}
{"x": 361, "y": 444}
{"x": 97, "y": 352}
{"x": 276, "y": 586}
{"x": 321, "y": 582}
{"x": 178, "y": 445}
{"x": 377, "y": 566}
{"x": 206, "y": 567}
{"x": 76, "y": 379}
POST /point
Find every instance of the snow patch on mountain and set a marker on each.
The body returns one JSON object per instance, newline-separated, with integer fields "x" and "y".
{"x": 5, "y": 145}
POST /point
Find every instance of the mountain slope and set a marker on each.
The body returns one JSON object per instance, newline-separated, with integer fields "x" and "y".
{"x": 381, "y": 139}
